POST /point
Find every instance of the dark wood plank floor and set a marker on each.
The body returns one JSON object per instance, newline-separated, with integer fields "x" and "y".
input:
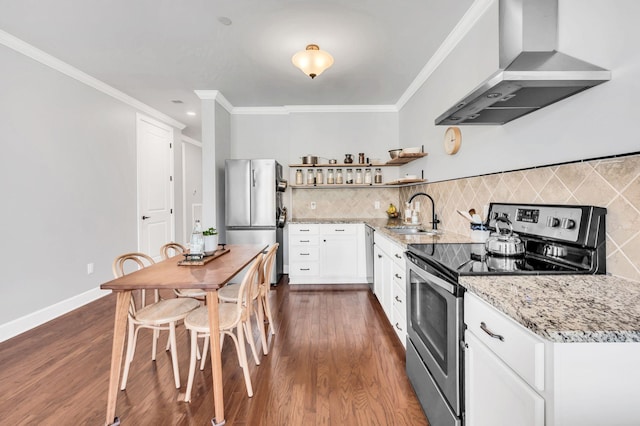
{"x": 335, "y": 360}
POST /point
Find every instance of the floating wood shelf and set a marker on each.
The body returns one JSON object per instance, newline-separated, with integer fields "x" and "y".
{"x": 404, "y": 158}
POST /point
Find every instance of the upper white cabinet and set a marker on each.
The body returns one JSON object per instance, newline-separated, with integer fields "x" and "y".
{"x": 322, "y": 253}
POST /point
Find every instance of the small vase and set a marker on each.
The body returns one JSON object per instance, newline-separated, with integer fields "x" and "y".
{"x": 210, "y": 243}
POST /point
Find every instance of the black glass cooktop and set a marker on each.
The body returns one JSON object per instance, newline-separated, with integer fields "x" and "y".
{"x": 473, "y": 259}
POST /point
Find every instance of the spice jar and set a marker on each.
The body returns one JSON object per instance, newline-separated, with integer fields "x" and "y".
{"x": 378, "y": 176}
{"x": 330, "y": 180}
{"x": 367, "y": 176}
{"x": 359, "y": 176}
{"x": 339, "y": 179}
{"x": 349, "y": 179}
{"x": 361, "y": 158}
{"x": 319, "y": 177}
{"x": 310, "y": 178}
{"x": 299, "y": 178}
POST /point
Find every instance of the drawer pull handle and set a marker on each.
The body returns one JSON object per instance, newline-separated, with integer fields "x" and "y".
{"x": 398, "y": 299}
{"x": 304, "y": 254}
{"x": 398, "y": 327}
{"x": 304, "y": 230}
{"x": 339, "y": 230}
{"x": 398, "y": 276}
{"x": 379, "y": 256}
{"x": 305, "y": 269}
{"x": 484, "y": 328}
{"x": 398, "y": 256}
{"x": 304, "y": 241}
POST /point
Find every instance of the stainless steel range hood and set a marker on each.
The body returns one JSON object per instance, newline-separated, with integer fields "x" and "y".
{"x": 532, "y": 73}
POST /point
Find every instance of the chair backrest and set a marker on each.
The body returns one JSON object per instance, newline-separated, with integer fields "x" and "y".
{"x": 171, "y": 249}
{"x": 119, "y": 268}
{"x": 269, "y": 261}
{"x": 249, "y": 283}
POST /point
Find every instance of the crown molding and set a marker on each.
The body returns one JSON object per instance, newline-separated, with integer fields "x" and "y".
{"x": 192, "y": 141}
{"x": 260, "y": 111}
{"x": 477, "y": 9}
{"x": 341, "y": 108}
{"x": 36, "y": 54}
{"x": 215, "y": 95}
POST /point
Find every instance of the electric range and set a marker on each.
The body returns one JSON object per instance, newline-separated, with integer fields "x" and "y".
{"x": 551, "y": 239}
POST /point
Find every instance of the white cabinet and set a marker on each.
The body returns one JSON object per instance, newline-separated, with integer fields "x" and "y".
{"x": 504, "y": 365}
{"x": 525, "y": 380}
{"x": 494, "y": 393}
{"x": 389, "y": 282}
{"x": 321, "y": 253}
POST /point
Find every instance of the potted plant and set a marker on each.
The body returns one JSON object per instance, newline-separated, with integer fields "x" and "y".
{"x": 210, "y": 240}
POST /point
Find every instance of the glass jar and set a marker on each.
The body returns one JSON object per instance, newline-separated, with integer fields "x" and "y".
{"x": 349, "y": 178}
{"x": 299, "y": 178}
{"x": 310, "y": 177}
{"x": 319, "y": 177}
{"x": 359, "y": 177}
{"x": 378, "y": 176}
{"x": 330, "y": 179}
{"x": 367, "y": 176}
{"x": 339, "y": 179}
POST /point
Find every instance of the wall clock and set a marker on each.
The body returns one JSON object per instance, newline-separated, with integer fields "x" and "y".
{"x": 452, "y": 140}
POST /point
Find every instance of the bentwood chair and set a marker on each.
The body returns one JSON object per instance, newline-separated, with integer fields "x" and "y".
{"x": 232, "y": 316}
{"x": 230, "y": 294}
{"x": 157, "y": 315}
{"x": 171, "y": 249}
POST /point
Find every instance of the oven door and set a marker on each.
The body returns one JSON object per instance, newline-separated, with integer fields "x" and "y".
{"x": 435, "y": 327}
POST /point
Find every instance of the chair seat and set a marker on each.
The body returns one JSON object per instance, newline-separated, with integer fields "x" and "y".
{"x": 229, "y": 293}
{"x": 166, "y": 311}
{"x": 198, "y": 319}
{"x": 192, "y": 292}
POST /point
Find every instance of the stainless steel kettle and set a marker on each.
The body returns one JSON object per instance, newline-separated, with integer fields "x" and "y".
{"x": 504, "y": 244}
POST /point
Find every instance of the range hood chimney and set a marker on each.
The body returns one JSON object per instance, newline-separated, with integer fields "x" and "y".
{"x": 532, "y": 73}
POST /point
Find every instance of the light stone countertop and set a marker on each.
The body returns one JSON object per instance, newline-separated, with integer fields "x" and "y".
{"x": 558, "y": 308}
{"x": 565, "y": 308}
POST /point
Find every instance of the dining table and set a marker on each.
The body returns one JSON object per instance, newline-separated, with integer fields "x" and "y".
{"x": 169, "y": 275}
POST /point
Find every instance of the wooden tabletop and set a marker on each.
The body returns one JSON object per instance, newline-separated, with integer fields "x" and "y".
{"x": 168, "y": 274}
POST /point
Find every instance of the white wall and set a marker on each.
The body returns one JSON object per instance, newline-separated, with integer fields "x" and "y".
{"x": 68, "y": 183}
{"x": 598, "y": 122}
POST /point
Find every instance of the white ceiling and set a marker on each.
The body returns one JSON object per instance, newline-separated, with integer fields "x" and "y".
{"x": 162, "y": 50}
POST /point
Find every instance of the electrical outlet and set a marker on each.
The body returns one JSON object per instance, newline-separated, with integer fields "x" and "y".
{"x": 89, "y": 268}
{"x": 376, "y": 205}
{"x": 313, "y": 205}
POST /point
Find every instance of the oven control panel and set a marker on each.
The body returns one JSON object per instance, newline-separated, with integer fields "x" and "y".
{"x": 557, "y": 222}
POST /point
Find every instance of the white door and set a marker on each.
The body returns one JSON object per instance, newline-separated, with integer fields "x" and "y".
{"x": 155, "y": 185}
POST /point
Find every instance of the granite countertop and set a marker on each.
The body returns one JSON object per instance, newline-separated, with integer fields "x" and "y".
{"x": 566, "y": 308}
{"x": 558, "y": 308}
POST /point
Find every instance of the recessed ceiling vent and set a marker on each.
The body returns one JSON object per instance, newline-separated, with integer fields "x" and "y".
{"x": 532, "y": 73}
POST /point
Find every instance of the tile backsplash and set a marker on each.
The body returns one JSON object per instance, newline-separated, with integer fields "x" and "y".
{"x": 612, "y": 183}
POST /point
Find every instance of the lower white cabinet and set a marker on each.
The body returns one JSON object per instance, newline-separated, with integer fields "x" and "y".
{"x": 494, "y": 393}
{"x": 322, "y": 253}
{"x": 389, "y": 282}
{"x": 514, "y": 377}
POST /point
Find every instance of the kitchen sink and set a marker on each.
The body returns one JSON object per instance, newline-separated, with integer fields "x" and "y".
{"x": 411, "y": 230}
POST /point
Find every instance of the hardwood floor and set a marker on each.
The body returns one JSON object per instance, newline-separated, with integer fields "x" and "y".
{"x": 335, "y": 360}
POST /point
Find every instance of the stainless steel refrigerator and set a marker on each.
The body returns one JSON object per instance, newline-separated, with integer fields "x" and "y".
{"x": 253, "y": 205}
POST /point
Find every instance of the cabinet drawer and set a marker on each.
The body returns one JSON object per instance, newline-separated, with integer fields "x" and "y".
{"x": 304, "y": 229}
{"x": 303, "y": 268}
{"x": 519, "y": 348}
{"x": 304, "y": 240}
{"x": 339, "y": 229}
{"x": 303, "y": 254}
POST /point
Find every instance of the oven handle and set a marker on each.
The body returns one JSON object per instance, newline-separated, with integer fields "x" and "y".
{"x": 448, "y": 287}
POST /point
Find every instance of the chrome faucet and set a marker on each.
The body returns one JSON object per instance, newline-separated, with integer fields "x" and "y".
{"x": 434, "y": 216}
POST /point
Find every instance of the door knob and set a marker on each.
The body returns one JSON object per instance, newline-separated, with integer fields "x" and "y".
{"x": 146, "y": 217}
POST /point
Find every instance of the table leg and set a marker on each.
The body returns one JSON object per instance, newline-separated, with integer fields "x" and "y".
{"x": 119, "y": 332}
{"x": 216, "y": 358}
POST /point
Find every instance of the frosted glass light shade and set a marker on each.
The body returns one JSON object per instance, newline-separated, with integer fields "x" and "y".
{"x": 312, "y": 61}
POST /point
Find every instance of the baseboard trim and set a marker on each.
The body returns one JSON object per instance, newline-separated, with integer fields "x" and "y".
{"x": 34, "y": 319}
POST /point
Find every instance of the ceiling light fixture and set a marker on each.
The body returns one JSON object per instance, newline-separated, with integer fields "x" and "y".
{"x": 312, "y": 61}
{"x": 191, "y": 113}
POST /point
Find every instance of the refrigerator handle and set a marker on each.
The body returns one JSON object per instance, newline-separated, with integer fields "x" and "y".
{"x": 253, "y": 177}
